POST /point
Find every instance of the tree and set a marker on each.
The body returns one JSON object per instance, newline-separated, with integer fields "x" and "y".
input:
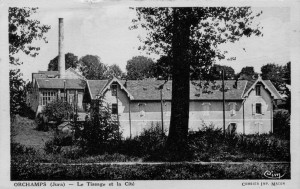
{"x": 214, "y": 73}
{"x": 70, "y": 59}
{"x": 247, "y": 73}
{"x": 274, "y": 73}
{"x": 23, "y": 30}
{"x": 58, "y": 110}
{"x": 92, "y": 68}
{"x": 114, "y": 70}
{"x": 17, "y": 92}
{"x": 102, "y": 130}
{"x": 287, "y": 73}
{"x": 190, "y": 37}
{"x": 162, "y": 68}
{"x": 139, "y": 67}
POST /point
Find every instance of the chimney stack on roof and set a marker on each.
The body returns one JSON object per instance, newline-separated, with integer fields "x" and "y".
{"x": 61, "y": 53}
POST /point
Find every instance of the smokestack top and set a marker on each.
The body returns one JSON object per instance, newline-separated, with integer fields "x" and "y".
{"x": 61, "y": 52}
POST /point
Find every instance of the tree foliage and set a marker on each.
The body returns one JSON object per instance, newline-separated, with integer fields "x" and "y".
{"x": 92, "y": 68}
{"x": 58, "y": 110}
{"x": 71, "y": 61}
{"x": 102, "y": 130}
{"x": 23, "y": 30}
{"x": 214, "y": 73}
{"x": 209, "y": 27}
{"x": 190, "y": 38}
{"x": 162, "y": 69}
{"x": 114, "y": 70}
{"x": 280, "y": 77}
{"x": 287, "y": 74}
{"x": 247, "y": 73}
{"x": 139, "y": 67}
{"x": 17, "y": 92}
{"x": 273, "y": 72}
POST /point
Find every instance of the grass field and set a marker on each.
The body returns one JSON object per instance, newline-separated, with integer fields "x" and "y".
{"x": 24, "y": 133}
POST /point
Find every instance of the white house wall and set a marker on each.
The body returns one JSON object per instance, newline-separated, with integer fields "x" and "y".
{"x": 146, "y": 113}
{"x": 258, "y": 123}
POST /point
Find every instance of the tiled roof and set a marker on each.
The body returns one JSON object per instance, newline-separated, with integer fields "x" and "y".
{"x": 268, "y": 84}
{"x": 249, "y": 84}
{"x": 95, "y": 86}
{"x": 147, "y": 90}
{"x": 272, "y": 89}
{"x": 55, "y": 83}
{"x": 49, "y": 72}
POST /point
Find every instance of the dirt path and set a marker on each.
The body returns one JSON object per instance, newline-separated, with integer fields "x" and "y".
{"x": 165, "y": 163}
{"x": 24, "y": 132}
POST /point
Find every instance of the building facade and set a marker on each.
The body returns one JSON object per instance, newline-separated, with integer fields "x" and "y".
{"x": 140, "y": 104}
{"x": 47, "y": 86}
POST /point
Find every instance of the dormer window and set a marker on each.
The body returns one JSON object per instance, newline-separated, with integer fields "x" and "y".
{"x": 257, "y": 90}
{"x": 114, "y": 90}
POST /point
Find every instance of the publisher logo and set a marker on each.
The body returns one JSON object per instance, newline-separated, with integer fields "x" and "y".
{"x": 273, "y": 175}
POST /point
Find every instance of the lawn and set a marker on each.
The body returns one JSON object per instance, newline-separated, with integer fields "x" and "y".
{"x": 25, "y": 133}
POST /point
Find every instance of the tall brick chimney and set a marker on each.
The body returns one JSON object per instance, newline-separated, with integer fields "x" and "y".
{"x": 61, "y": 52}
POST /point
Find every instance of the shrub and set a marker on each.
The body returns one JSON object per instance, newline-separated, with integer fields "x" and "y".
{"x": 101, "y": 133}
{"x": 205, "y": 142}
{"x": 148, "y": 145}
{"x": 57, "y": 110}
{"x": 268, "y": 145}
{"x": 281, "y": 123}
{"x": 19, "y": 149}
{"x": 54, "y": 145}
{"x": 72, "y": 152}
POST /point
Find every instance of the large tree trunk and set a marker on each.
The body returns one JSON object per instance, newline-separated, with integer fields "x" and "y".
{"x": 177, "y": 140}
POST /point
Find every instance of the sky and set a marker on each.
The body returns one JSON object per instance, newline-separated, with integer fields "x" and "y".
{"x": 104, "y": 31}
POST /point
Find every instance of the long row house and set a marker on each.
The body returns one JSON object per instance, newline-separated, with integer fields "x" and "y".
{"x": 138, "y": 104}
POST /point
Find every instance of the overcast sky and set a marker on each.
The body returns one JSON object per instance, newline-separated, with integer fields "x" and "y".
{"x": 103, "y": 31}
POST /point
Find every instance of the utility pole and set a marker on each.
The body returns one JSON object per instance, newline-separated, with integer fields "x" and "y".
{"x": 223, "y": 87}
{"x": 162, "y": 110}
{"x": 160, "y": 87}
{"x": 118, "y": 111}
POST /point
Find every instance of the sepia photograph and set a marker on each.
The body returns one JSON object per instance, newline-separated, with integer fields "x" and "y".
{"x": 107, "y": 91}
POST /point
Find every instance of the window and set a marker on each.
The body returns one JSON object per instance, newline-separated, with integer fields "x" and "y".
{"x": 206, "y": 108}
{"x": 232, "y": 108}
{"x": 258, "y": 108}
{"x": 114, "y": 90}
{"x": 257, "y": 90}
{"x": 142, "y": 108}
{"x": 231, "y": 128}
{"x": 114, "y": 109}
{"x": 48, "y": 96}
{"x": 63, "y": 95}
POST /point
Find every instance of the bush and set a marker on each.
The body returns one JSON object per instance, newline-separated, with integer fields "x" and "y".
{"x": 205, "y": 142}
{"x": 54, "y": 145}
{"x": 148, "y": 145}
{"x": 58, "y": 110}
{"x": 101, "y": 133}
{"x": 72, "y": 152}
{"x": 268, "y": 145}
{"x": 281, "y": 123}
{"x": 208, "y": 144}
{"x": 19, "y": 149}
{"x": 152, "y": 140}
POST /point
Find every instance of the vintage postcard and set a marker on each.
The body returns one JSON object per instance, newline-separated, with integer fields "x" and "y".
{"x": 134, "y": 94}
